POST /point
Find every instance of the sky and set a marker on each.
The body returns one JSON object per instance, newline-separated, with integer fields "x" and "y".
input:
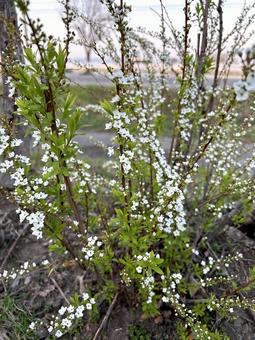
{"x": 141, "y": 15}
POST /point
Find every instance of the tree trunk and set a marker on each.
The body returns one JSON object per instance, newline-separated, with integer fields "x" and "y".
{"x": 8, "y": 15}
{"x": 88, "y": 55}
{"x": 10, "y": 49}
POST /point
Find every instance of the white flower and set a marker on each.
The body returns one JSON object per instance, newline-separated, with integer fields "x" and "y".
{"x": 45, "y": 262}
{"x": 79, "y": 311}
{"x": 62, "y": 310}
{"x": 92, "y": 301}
{"x": 165, "y": 299}
{"x": 22, "y": 215}
{"x": 194, "y": 251}
{"x": 110, "y": 151}
{"x": 250, "y": 81}
{"x": 37, "y": 136}
{"x": 70, "y": 309}
{"x": 206, "y": 270}
{"x": 139, "y": 270}
{"x": 13, "y": 275}
{"x": 115, "y": 99}
{"x": 85, "y": 296}
{"x": 89, "y": 306}
{"x": 11, "y": 90}
{"x": 66, "y": 323}
{"x": 173, "y": 285}
{"x": 231, "y": 310}
{"x": 242, "y": 95}
{"x": 117, "y": 73}
{"x": 50, "y": 329}
{"x": 90, "y": 253}
{"x": 241, "y": 90}
{"x": 32, "y": 326}
{"x": 58, "y": 334}
{"x": 108, "y": 126}
{"x": 16, "y": 142}
{"x": 25, "y": 265}
{"x": 37, "y": 220}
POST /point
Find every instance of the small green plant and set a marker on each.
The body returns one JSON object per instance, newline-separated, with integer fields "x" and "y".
{"x": 137, "y": 332}
{"x": 14, "y": 319}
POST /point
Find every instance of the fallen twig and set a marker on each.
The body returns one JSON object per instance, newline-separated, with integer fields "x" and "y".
{"x": 12, "y": 247}
{"x": 106, "y": 317}
{"x": 60, "y": 290}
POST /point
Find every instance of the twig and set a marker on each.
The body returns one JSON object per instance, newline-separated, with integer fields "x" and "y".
{"x": 241, "y": 287}
{"x": 106, "y": 317}
{"x": 12, "y": 247}
{"x": 60, "y": 290}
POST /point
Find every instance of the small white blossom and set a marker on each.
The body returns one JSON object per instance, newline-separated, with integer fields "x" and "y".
{"x": 58, "y": 334}
{"x": 32, "y": 326}
{"x": 139, "y": 269}
{"x": 88, "y": 306}
{"x": 62, "y": 310}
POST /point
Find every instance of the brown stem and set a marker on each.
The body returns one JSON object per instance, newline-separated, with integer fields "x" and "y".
{"x": 73, "y": 204}
{"x": 50, "y": 107}
{"x": 202, "y": 53}
{"x": 122, "y": 42}
{"x": 241, "y": 287}
{"x": 219, "y": 50}
{"x": 175, "y": 143}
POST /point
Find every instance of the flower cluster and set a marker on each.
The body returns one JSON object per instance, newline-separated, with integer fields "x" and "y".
{"x": 36, "y": 219}
{"x": 181, "y": 310}
{"x": 119, "y": 122}
{"x": 244, "y": 87}
{"x": 92, "y": 248}
{"x": 226, "y": 306}
{"x": 11, "y": 87}
{"x": 119, "y": 77}
{"x": 4, "y": 138}
{"x": 24, "y": 268}
{"x": 68, "y": 317}
{"x": 126, "y": 159}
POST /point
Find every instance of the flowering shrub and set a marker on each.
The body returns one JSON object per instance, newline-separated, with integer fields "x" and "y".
{"x": 146, "y": 228}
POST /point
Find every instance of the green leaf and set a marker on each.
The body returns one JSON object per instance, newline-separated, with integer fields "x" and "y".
{"x": 107, "y": 106}
{"x": 29, "y": 55}
{"x": 157, "y": 269}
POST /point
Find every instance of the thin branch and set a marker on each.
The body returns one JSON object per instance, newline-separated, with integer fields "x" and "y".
{"x": 219, "y": 50}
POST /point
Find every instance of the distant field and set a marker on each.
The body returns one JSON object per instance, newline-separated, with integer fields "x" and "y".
{"x": 92, "y": 94}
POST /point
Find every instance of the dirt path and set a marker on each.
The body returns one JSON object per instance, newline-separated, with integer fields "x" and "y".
{"x": 94, "y": 143}
{"x": 101, "y": 79}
